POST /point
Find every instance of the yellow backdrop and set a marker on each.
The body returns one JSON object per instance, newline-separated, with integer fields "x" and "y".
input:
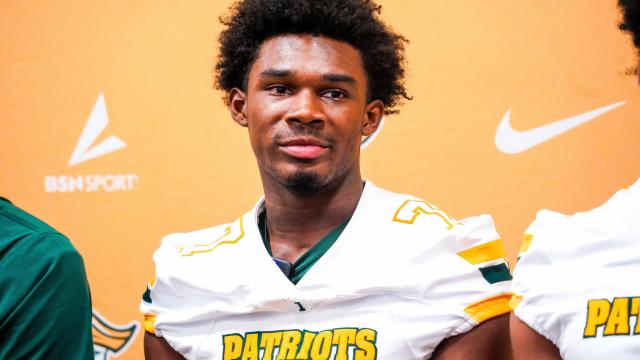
{"x": 110, "y": 129}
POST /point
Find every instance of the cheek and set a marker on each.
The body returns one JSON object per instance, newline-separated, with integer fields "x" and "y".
{"x": 351, "y": 139}
{"x": 353, "y": 132}
{"x": 254, "y": 141}
{"x": 263, "y": 112}
{"x": 258, "y": 135}
{"x": 258, "y": 126}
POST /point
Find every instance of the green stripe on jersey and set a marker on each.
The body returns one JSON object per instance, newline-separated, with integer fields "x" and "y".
{"x": 496, "y": 273}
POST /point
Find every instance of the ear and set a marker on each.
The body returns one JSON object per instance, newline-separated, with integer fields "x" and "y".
{"x": 372, "y": 117}
{"x": 238, "y": 106}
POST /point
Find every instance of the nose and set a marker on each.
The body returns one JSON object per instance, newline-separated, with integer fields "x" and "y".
{"x": 305, "y": 109}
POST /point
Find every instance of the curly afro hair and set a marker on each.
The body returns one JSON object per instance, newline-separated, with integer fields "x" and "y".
{"x": 355, "y": 22}
{"x": 631, "y": 19}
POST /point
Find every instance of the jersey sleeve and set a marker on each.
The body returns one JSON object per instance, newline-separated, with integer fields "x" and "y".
{"x": 557, "y": 250}
{"x": 172, "y": 295}
{"x": 159, "y": 299}
{"x": 538, "y": 275}
{"x": 476, "y": 285}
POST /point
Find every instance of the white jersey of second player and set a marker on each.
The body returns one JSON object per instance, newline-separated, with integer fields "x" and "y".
{"x": 402, "y": 276}
{"x": 578, "y": 279}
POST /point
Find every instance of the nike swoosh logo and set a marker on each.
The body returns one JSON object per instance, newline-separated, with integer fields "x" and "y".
{"x": 511, "y": 141}
{"x": 97, "y": 122}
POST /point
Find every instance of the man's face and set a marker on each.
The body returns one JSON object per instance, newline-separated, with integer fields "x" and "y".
{"x": 306, "y": 110}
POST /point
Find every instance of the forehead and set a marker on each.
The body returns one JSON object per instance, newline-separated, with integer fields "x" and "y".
{"x": 309, "y": 54}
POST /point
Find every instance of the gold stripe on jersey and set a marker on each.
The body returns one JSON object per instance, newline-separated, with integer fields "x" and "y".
{"x": 149, "y": 323}
{"x": 635, "y": 310}
{"x": 490, "y": 251}
{"x": 489, "y": 308}
{"x": 526, "y": 242}
{"x": 204, "y": 248}
{"x": 514, "y": 301}
{"x": 411, "y": 209}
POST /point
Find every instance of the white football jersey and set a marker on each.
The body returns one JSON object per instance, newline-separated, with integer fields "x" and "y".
{"x": 578, "y": 279}
{"x": 402, "y": 276}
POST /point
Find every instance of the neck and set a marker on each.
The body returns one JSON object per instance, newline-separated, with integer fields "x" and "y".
{"x": 296, "y": 222}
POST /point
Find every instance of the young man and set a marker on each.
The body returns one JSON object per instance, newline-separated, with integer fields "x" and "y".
{"x": 576, "y": 285}
{"x": 326, "y": 266}
{"x": 45, "y": 305}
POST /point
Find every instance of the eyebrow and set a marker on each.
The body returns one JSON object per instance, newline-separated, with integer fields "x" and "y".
{"x": 339, "y": 78}
{"x": 328, "y": 77}
{"x": 275, "y": 73}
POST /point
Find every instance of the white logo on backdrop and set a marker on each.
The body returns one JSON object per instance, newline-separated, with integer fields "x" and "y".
{"x": 86, "y": 149}
{"x": 511, "y": 141}
{"x": 97, "y": 122}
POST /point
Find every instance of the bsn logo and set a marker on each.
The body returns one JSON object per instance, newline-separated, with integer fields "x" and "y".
{"x": 86, "y": 149}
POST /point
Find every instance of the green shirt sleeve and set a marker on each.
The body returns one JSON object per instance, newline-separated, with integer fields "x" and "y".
{"x": 45, "y": 304}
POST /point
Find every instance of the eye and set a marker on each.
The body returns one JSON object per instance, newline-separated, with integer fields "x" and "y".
{"x": 334, "y": 94}
{"x": 279, "y": 90}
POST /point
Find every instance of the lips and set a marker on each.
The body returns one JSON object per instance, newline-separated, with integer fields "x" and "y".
{"x": 304, "y": 147}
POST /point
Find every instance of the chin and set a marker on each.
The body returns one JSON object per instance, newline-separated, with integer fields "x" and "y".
{"x": 304, "y": 183}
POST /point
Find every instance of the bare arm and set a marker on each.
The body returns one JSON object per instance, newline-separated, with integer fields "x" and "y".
{"x": 489, "y": 340}
{"x": 156, "y": 348}
{"x": 528, "y": 344}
